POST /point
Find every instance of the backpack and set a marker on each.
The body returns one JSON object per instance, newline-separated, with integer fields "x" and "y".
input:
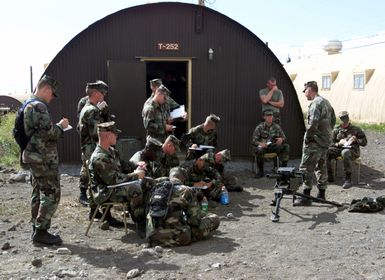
{"x": 158, "y": 204}
{"x": 18, "y": 130}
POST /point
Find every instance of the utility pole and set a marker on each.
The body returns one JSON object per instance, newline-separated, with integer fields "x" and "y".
{"x": 201, "y": 2}
{"x": 31, "y": 77}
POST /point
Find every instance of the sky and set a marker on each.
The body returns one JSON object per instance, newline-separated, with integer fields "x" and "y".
{"x": 33, "y": 32}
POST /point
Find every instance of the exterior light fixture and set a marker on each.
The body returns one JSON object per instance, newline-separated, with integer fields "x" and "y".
{"x": 211, "y": 54}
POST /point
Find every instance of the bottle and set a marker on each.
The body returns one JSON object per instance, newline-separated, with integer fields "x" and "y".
{"x": 224, "y": 197}
{"x": 204, "y": 205}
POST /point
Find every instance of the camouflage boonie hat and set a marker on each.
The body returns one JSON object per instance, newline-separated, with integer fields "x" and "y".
{"x": 51, "y": 82}
{"x": 108, "y": 127}
{"x": 174, "y": 141}
{"x": 153, "y": 144}
{"x": 164, "y": 89}
{"x": 225, "y": 155}
{"x": 213, "y": 118}
{"x": 97, "y": 85}
{"x": 311, "y": 84}
{"x": 156, "y": 82}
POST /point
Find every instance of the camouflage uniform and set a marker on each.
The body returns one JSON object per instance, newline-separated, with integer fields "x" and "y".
{"x": 277, "y": 96}
{"x": 269, "y": 133}
{"x": 105, "y": 113}
{"x": 155, "y": 120}
{"x": 320, "y": 121}
{"x": 348, "y": 154}
{"x": 196, "y": 135}
{"x": 208, "y": 174}
{"x": 167, "y": 107}
{"x": 105, "y": 169}
{"x": 42, "y": 157}
{"x": 89, "y": 118}
{"x": 185, "y": 221}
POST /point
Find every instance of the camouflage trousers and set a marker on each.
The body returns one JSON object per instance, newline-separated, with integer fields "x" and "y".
{"x": 281, "y": 150}
{"x": 314, "y": 161}
{"x": 348, "y": 155}
{"x": 45, "y": 195}
{"x": 87, "y": 151}
{"x": 207, "y": 225}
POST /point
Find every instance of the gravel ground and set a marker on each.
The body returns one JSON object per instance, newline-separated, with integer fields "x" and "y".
{"x": 317, "y": 242}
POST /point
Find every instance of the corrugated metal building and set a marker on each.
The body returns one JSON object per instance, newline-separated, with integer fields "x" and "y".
{"x": 351, "y": 80}
{"x": 210, "y": 62}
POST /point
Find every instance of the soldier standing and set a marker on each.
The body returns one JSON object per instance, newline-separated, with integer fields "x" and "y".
{"x": 320, "y": 122}
{"x": 347, "y": 139}
{"x": 155, "y": 116}
{"x": 272, "y": 99}
{"x": 41, "y": 156}
{"x": 268, "y": 137}
{"x": 90, "y": 116}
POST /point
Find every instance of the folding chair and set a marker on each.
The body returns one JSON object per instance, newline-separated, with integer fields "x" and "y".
{"x": 105, "y": 207}
{"x": 357, "y": 161}
{"x": 266, "y": 157}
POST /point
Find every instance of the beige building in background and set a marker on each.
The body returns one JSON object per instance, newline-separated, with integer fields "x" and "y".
{"x": 352, "y": 80}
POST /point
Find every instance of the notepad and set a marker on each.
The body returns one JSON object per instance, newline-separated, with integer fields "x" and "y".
{"x": 69, "y": 127}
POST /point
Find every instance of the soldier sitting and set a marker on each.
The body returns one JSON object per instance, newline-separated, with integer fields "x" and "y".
{"x": 268, "y": 137}
{"x": 201, "y": 174}
{"x": 347, "y": 139}
{"x": 180, "y": 220}
{"x": 203, "y": 134}
{"x": 105, "y": 169}
{"x": 158, "y": 158}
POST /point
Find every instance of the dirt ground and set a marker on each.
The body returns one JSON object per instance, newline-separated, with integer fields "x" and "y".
{"x": 317, "y": 242}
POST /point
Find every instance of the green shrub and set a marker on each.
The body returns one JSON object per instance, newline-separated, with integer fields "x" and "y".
{"x": 9, "y": 150}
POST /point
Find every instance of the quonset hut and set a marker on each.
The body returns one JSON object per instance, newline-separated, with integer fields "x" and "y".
{"x": 211, "y": 63}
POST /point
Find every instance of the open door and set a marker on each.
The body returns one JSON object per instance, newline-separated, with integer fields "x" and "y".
{"x": 127, "y": 94}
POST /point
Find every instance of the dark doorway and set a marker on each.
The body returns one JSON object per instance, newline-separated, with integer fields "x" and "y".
{"x": 174, "y": 77}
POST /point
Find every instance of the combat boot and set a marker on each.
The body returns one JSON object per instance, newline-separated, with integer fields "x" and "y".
{"x": 321, "y": 194}
{"x": 83, "y": 199}
{"x": 97, "y": 216}
{"x": 348, "y": 181}
{"x": 303, "y": 201}
{"x": 44, "y": 237}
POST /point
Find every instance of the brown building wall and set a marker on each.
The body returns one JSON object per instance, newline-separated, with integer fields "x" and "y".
{"x": 228, "y": 85}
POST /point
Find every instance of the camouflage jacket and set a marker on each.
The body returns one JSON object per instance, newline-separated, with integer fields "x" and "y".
{"x": 159, "y": 167}
{"x": 105, "y": 113}
{"x": 196, "y": 135}
{"x": 89, "y": 118}
{"x": 207, "y": 174}
{"x": 154, "y": 120}
{"x": 345, "y": 133}
{"x": 167, "y": 107}
{"x": 43, "y": 134}
{"x": 265, "y": 133}
{"x": 105, "y": 169}
{"x": 320, "y": 122}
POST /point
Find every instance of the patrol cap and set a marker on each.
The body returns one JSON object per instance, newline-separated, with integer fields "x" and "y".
{"x": 153, "y": 144}
{"x": 108, "y": 127}
{"x": 156, "y": 82}
{"x": 213, "y": 118}
{"x": 174, "y": 140}
{"x": 268, "y": 112}
{"x": 311, "y": 84}
{"x": 51, "y": 82}
{"x": 97, "y": 85}
{"x": 225, "y": 155}
{"x": 164, "y": 89}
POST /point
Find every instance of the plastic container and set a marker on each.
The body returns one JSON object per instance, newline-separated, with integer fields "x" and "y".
{"x": 205, "y": 205}
{"x": 224, "y": 197}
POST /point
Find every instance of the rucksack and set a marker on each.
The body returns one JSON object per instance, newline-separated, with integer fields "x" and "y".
{"x": 18, "y": 130}
{"x": 158, "y": 204}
